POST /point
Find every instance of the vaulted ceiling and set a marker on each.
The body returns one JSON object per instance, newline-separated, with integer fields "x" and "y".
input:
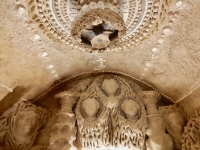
{"x": 168, "y": 59}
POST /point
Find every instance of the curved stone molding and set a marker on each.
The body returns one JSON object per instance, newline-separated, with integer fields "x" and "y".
{"x": 20, "y": 125}
{"x": 56, "y": 17}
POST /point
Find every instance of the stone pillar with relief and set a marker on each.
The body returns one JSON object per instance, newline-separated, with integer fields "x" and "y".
{"x": 64, "y": 130}
{"x": 156, "y": 125}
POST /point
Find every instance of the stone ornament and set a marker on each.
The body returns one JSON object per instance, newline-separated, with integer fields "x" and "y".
{"x": 20, "y": 125}
{"x": 175, "y": 121}
{"x": 68, "y": 20}
{"x": 100, "y": 41}
{"x": 130, "y": 125}
{"x": 103, "y": 22}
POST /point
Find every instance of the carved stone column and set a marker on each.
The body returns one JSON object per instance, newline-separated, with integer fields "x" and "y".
{"x": 156, "y": 126}
{"x": 63, "y": 132}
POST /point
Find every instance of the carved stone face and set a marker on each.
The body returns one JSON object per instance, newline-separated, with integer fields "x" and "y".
{"x": 91, "y": 107}
{"x": 25, "y": 122}
{"x": 130, "y": 107}
{"x": 110, "y": 86}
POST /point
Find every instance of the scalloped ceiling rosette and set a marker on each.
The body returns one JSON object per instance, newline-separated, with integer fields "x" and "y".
{"x": 140, "y": 17}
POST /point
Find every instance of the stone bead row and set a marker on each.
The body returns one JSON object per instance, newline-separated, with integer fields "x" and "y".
{"x": 6, "y": 87}
{"x": 50, "y": 66}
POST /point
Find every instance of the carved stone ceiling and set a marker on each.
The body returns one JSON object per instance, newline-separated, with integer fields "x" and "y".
{"x": 167, "y": 58}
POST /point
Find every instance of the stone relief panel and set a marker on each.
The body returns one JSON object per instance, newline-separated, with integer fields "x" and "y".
{"x": 105, "y": 111}
{"x": 110, "y": 109}
{"x": 19, "y": 126}
{"x": 191, "y": 134}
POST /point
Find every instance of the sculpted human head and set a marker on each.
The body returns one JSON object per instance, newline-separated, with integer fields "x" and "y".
{"x": 110, "y": 86}
{"x": 174, "y": 118}
{"x": 90, "y": 107}
{"x": 130, "y": 109}
{"x": 23, "y": 121}
{"x": 26, "y": 122}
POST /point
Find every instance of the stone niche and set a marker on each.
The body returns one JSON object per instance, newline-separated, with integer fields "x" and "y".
{"x": 97, "y": 111}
